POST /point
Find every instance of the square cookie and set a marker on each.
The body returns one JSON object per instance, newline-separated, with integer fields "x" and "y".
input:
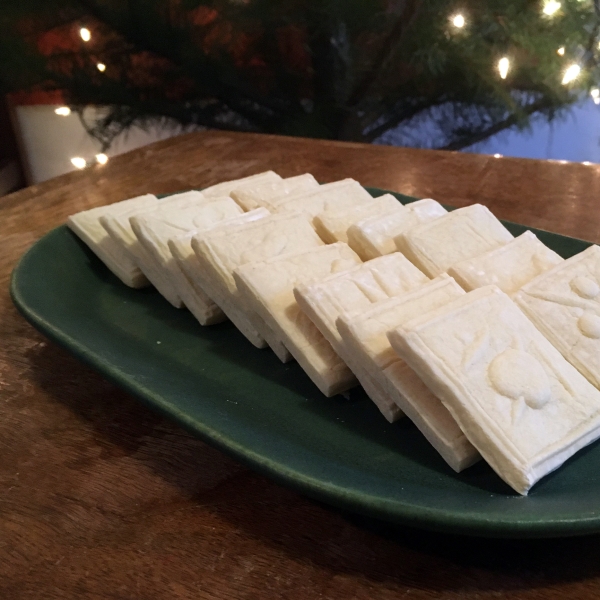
{"x": 333, "y": 225}
{"x": 564, "y": 304}
{"x": 254, "y": 196}
{"x": 226, "y": 187}
{"x": 154, "y": 230}
{"x": 330, "y": 196}
{"x": 119, "y": 228}
{"x": 352, "y": 292}
{"x": 376, "y": 235}
{"x": 195, "y": 298}
{"x": 365, "y": 336}
{"x": 515, "y": 397}
{"x": 464, "y": 233}
{"x": 509, "y": 267}
{"x": 86, "y": 225}
{"x": 220, "y": 251}
{"x": 268, "y": 286}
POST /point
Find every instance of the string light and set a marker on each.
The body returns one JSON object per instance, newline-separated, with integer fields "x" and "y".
{"x": 571, "y": 74}
{"x": 458, "y": 21}
{"x": 497, "y": 155}
{"x": 503, "y": 66}
{"x": 78, "y": 162}
{"x": 63, "y": 111}
{"x": 561, "y": 51}
{"x": 551, "y": 7}
{"x": 85, "y": 34}
{"x": 595, "y": 94}
{"x": 101, "y": 67}
{"x": 101, "y": 159}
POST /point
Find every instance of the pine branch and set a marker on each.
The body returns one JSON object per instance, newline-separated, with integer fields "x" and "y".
{"x": 512, "y": 120}
{"x": 387, "y": 50}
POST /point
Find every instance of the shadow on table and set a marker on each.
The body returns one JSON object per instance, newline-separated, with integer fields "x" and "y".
{"x": 297, "y": 529}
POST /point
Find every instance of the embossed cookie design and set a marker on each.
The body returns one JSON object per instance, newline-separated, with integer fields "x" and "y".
{"x": 564, "y": 304}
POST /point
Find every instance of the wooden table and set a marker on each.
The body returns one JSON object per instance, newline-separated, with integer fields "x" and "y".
{"x": 101, "y": 498}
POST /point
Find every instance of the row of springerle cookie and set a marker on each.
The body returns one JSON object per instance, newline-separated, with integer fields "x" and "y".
{"x": 283, "y": 259}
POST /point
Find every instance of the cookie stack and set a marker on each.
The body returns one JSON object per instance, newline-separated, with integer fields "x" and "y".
{"x": 490, "y": 344}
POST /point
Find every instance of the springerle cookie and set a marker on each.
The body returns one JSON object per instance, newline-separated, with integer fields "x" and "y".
{"x": 518, "y": 401}
{"x": 268, "y": 287}
{"x": 330, "y": 196}
{"x": 354, "y": 291}
{"x": 154, "y": 230}
{"x": 119, "y": 228}
{"x": 86, "y": 225}
{"x": 195, "y": 298}
{"x": 376, "y": 235}
{"x": 509, "y": 267}
{"x": 464, "y": 233}
{"x": 226, "y": 187}
{"x": 564, "y": 304}
{"x": 365, "y": 336}
{"x": 251, "y": 197}
{"x": 220, "y": 251}
{"x": 333, "y": 225}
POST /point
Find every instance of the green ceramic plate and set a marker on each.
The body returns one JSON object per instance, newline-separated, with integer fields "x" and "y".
{"x": 270, "y": 415}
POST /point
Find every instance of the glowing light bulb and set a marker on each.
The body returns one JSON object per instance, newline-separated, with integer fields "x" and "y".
{"x": 503, "y": 66}
{"x": 85, "y": 34}
{"x": 550, "y": 7}
{"x": 497, "y": 155}
{"x": 101, "y": 159}
{"x": 101, "y": 67}
{"x": 571, "y": 74}
{"x": 63, "y": 111}
{"x": 595, "y": 94}
{"x": 79, "y": 162}
{"x": 561, "y": 51}
{"x": 458, "y": 21}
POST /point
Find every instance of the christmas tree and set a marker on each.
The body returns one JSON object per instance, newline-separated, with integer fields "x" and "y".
{"x": 441, "y": 74}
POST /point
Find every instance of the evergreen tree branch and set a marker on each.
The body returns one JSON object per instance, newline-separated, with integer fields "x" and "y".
{"x": 510, "y": 121}
{"x": 379, "y": 63}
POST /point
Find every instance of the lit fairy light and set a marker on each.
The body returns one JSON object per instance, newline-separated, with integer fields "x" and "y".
{"x": 571, "y": 74}
{"x": 101, "y": 67}
{"x": 497, "y": 155}
{"x": 101, "y": 159}
{"x": 458, "y": 21}
{"x": 85, "y": 34}
{"x": 503, "y": 66}
{"x": 551, "y": 7}
{"x": 561, "y": 51}
{"x": 63, "y": 111}
{"x": 79, "y": 162}
{"x": 595, "y": 94}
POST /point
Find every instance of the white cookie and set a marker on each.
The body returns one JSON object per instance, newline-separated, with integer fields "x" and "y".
{"x": 509, "y": 267}
{"x": 330, "y": 196}
{"x": 154, "y": 230}
{"x": 251, "y": 197}
{"x": 86, "y": 225}
{"x": 365, "y": 335}
{"x": 268, "y": 287}
{"x": 196, "y": 299}
{"x": 518, "y": 401}
{"x": 464, "y": 233}
{"x": 376, "y": 235}
{"x": 354, "y": 291}
{"x": 119, "y": 229}
{"x": 221, "y": 251}
{"x": 226, "y": 187}
{"x": 564, "y": 304}
{"x": 332, "y": 225}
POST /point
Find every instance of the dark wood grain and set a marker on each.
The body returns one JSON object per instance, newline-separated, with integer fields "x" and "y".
{"x": 100, "y": 498}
